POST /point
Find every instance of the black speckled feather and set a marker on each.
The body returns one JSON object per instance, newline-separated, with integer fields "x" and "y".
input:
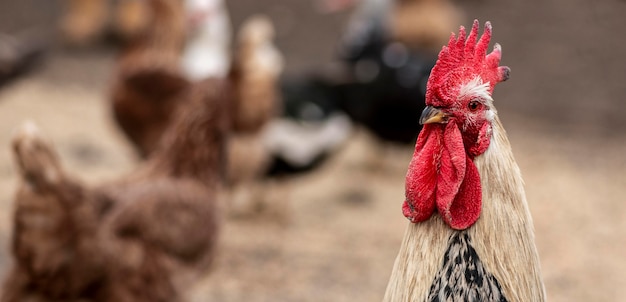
{"x": 462, "y": 277}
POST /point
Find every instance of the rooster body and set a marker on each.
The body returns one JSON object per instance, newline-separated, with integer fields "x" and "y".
{"x": 472, "y": 237}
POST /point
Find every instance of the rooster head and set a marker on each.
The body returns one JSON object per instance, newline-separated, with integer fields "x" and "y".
{"x": 457, "y": 127}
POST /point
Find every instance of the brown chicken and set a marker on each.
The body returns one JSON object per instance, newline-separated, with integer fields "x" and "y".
{"x": 471, "y": 235}
{"x": 255, "y": 73}
{"x": 256, "y": 68}
{"x": 149, "y": 82}
{"x": 141, "y": 238}
{"x": 145, "y": 97}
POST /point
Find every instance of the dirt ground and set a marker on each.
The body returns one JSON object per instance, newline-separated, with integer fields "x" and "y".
{"x": 337, "y": 238}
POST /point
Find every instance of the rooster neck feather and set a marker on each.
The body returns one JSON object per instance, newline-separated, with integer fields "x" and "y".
{"x": 502, "y": 237}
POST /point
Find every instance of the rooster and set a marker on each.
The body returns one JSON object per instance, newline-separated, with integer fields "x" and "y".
{"x": 141, "y": 238}
{"x": 479, "y": 245}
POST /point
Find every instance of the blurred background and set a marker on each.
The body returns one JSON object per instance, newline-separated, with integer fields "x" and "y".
{"x": 337, "y": 234}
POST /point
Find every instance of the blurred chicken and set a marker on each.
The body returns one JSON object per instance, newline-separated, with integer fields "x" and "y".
{"x": 256, "y": 101}
{"x": 386, "y": 89}
{"x": 256, "y": 69}
{"x": 310, "y": 128}
{"x": 145, "y": 237}
{"x": 389, "y": 58}
{"x": 207, "y": 51}
{"x": 148, "y": 81}
{"x": 146, "y": 97}
{"x": 85, "y": 21}
{"x": 385, "y": 56}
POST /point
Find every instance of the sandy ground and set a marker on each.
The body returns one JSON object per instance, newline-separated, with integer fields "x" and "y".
{"x": 341, "y": 228}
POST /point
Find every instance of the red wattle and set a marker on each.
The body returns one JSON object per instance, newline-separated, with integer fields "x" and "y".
{"x": 464, "y": 210}
{"x": 451, "y": 167}
{"x": 442, "y": 174}
{"x": 421, "y": 177}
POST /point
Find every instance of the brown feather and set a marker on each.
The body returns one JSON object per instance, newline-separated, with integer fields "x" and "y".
{"x": 148, "y": 82}
{"x": 141, "y": 238}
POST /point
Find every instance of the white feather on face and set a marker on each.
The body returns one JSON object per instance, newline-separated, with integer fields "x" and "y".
{"x": 476, "y": 89}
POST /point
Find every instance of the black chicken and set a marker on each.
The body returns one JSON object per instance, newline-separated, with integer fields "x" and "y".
{"x": 386, "y": 93}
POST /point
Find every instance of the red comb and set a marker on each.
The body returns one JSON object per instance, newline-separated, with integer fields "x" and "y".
{"x": 462, "y": 60}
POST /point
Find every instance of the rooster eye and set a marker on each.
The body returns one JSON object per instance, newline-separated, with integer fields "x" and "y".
{"x": 473, "y": 105}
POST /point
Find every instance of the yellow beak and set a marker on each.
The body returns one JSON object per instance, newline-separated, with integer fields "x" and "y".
{"x": 433, "y": 115}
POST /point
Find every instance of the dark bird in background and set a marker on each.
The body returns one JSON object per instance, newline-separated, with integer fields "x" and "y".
{"x": 310, "y": 129}
{"x": 379, "y": 81}
{"x": 387, "y": 85}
